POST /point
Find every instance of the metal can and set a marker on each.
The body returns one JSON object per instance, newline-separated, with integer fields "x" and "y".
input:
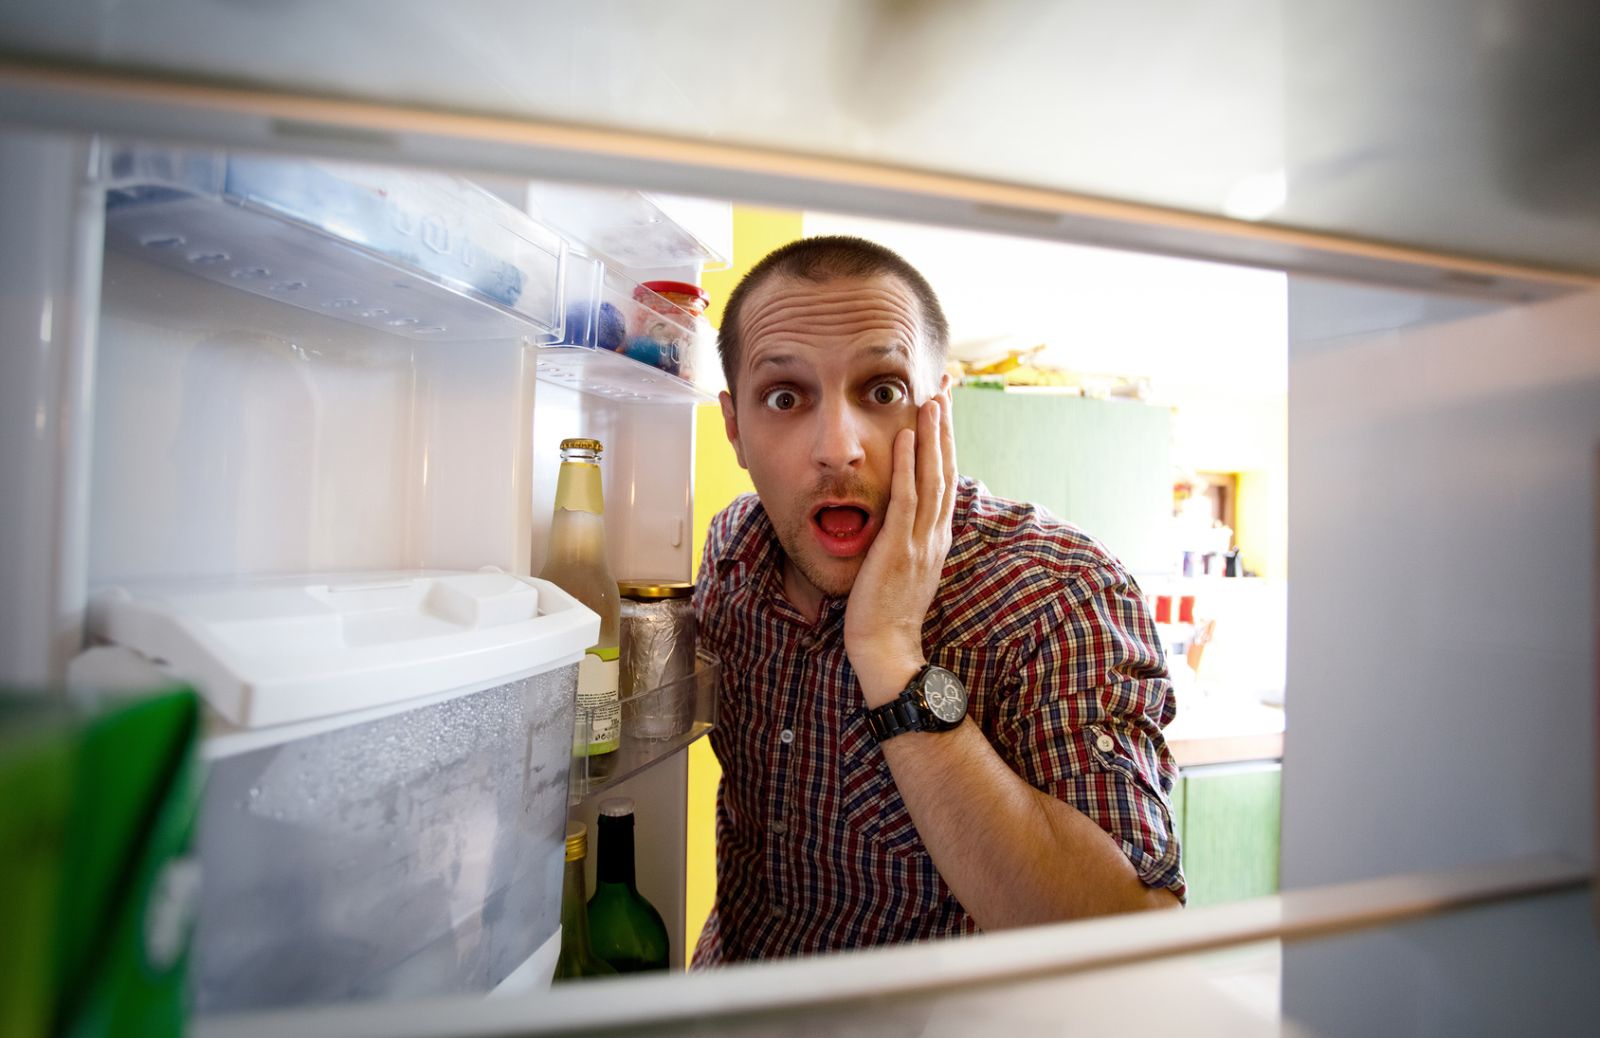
{"x": 656, "y": 680}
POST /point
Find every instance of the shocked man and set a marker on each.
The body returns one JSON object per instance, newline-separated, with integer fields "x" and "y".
{"x": 941, "y": 711}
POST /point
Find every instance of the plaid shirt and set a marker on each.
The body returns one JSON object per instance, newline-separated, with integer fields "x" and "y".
{"x": 1066, "y": 679}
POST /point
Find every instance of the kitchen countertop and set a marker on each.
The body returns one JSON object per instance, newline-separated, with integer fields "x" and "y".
{"x": 1221, "y": 730}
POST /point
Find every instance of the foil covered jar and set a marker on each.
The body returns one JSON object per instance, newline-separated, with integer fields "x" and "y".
{"x": 656, "y": 680}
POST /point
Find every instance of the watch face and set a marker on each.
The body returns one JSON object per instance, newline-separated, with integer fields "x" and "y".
{"x": 945, "y": 694}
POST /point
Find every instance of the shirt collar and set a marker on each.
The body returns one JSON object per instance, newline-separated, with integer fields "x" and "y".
{"x": 751, "y": 546}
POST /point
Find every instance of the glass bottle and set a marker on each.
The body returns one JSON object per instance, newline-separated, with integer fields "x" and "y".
{"x": 577, "y": 958}
{"x": 577, "y": 564}
{"x": 624, "y": 928}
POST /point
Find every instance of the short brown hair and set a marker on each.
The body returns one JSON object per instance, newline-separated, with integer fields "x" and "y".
{"x": 824, "y": 259}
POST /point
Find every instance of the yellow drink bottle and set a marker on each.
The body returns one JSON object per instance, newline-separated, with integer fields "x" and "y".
{"x": 577, "y": 564}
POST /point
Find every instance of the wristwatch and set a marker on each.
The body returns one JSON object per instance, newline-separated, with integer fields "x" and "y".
{"x": 934, "y": 700}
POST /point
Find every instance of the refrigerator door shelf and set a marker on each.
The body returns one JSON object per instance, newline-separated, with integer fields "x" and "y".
{"x": 613, "y": 376}
{"x": 646, "y": 348}
{"x": 327, "y": 649}
{"x": 635, "y": 229}
{"x": 422, "y": 256}
{"x": 656, "y": 723}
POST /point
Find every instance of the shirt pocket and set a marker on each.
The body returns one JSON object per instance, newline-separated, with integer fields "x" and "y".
{"x": 871, "y": 806}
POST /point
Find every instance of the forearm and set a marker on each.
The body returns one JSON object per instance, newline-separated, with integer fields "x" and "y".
{"x": 1012, "y": 855}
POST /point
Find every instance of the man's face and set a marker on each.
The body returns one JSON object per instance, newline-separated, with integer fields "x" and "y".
{"x": 829, "y": 373}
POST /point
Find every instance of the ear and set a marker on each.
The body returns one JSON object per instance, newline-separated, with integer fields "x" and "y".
{"x": 730, "y": 425}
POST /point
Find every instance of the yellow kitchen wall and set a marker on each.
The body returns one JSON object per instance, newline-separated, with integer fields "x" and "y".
{"x": 718, "y": 479}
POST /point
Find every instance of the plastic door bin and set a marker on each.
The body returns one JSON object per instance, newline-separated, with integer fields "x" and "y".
{"x": 414, "y": 854}
{"x": 388, "y": 765}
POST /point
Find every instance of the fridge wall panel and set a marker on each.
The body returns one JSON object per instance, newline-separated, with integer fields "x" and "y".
{"x": 473, "y": 407}
{"x": 51, "y": 222}
{"x": 1451, "y": 450}
{"x": 1452, "y": 453}
{"x": 238, "y": 435}
{"x": 647, "y": 472}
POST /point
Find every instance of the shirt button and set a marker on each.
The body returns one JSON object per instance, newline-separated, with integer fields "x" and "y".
{"x": 808, "y": 642}
{"x": 1104, "y": 743}
{"x": 779, "y": 828}
{"x": 776, "y": 911}
{"x": 786, "y": 736}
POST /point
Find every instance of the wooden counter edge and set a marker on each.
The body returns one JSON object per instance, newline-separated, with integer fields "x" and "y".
{"x": 1227, "y": 749}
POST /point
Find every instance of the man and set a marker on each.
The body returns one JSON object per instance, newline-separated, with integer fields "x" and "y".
{"x": 867, "y": 799}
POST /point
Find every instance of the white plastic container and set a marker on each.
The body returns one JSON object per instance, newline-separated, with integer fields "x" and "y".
{"x": 388, "y": 757}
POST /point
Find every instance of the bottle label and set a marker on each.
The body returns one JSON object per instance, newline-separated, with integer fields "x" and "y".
{"x": 597, "y": 695}
{"x": 578, "y": 487}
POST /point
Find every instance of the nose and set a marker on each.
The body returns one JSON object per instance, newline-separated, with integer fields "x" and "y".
{"x": 838, "y": 443}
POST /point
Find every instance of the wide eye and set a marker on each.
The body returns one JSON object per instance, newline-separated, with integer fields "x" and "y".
{"x": 888, "y": 393}
{"x": 781, "y": 399}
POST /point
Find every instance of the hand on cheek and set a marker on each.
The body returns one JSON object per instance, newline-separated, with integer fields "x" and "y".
{"x": 900, "y": 575}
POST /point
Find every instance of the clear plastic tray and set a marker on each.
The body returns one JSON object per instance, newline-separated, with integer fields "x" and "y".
{"x": 636, "y": 230}
{"x": 422, "y": 256}
{"x": 644, "y": 347}
{"x": 655, "y": 724}
{"x": 615, "y": 377}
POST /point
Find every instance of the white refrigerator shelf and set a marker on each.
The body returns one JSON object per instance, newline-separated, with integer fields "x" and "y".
{"x": 420, "y": 255}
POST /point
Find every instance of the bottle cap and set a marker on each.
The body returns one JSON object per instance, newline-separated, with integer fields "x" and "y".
{"x": 616, "y": 807}
{"x": 577, "y": 841}
{"x": 582, "y": 444}
{"x": 654, "y": 589}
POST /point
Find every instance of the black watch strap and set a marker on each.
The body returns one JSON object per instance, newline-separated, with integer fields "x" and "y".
{"x": 903, "y": 714}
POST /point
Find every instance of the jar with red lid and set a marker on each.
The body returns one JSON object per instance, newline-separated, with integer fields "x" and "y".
{"x": 666, "y": 321}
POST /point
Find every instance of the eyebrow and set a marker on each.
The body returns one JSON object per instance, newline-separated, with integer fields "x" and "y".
{"x": 773, "y": 360}
{"x": 874, "y": 353}
{"x": 896, "y": 348}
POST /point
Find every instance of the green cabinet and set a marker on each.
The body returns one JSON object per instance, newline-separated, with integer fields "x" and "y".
{"x": 1103, "y": 465}
{"x": 1228, "y": 821}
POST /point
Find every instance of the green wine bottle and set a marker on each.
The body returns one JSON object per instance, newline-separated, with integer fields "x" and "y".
{"x": 577, "y": 958}
{"x": 626, "y": 930}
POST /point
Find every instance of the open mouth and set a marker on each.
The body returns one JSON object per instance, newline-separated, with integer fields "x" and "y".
{"x": 843, "y": 530}
{"x": 841, "y": 521}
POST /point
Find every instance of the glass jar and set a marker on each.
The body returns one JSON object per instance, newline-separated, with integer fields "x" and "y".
{"x": 656, "y": 680}
{"x": 667, "y": 321}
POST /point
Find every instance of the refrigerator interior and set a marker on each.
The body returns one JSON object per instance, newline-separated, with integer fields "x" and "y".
{"x": 52, "y": 265}
{"x": 253, "y": 390}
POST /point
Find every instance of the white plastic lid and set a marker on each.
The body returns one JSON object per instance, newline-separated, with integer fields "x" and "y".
{"x": 280, "y": 650}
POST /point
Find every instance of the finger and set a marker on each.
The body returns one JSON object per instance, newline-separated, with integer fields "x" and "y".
{"x": 900, "y": 516}
{"x": 930, "y": 468}
{"x": 947, "y": 444}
